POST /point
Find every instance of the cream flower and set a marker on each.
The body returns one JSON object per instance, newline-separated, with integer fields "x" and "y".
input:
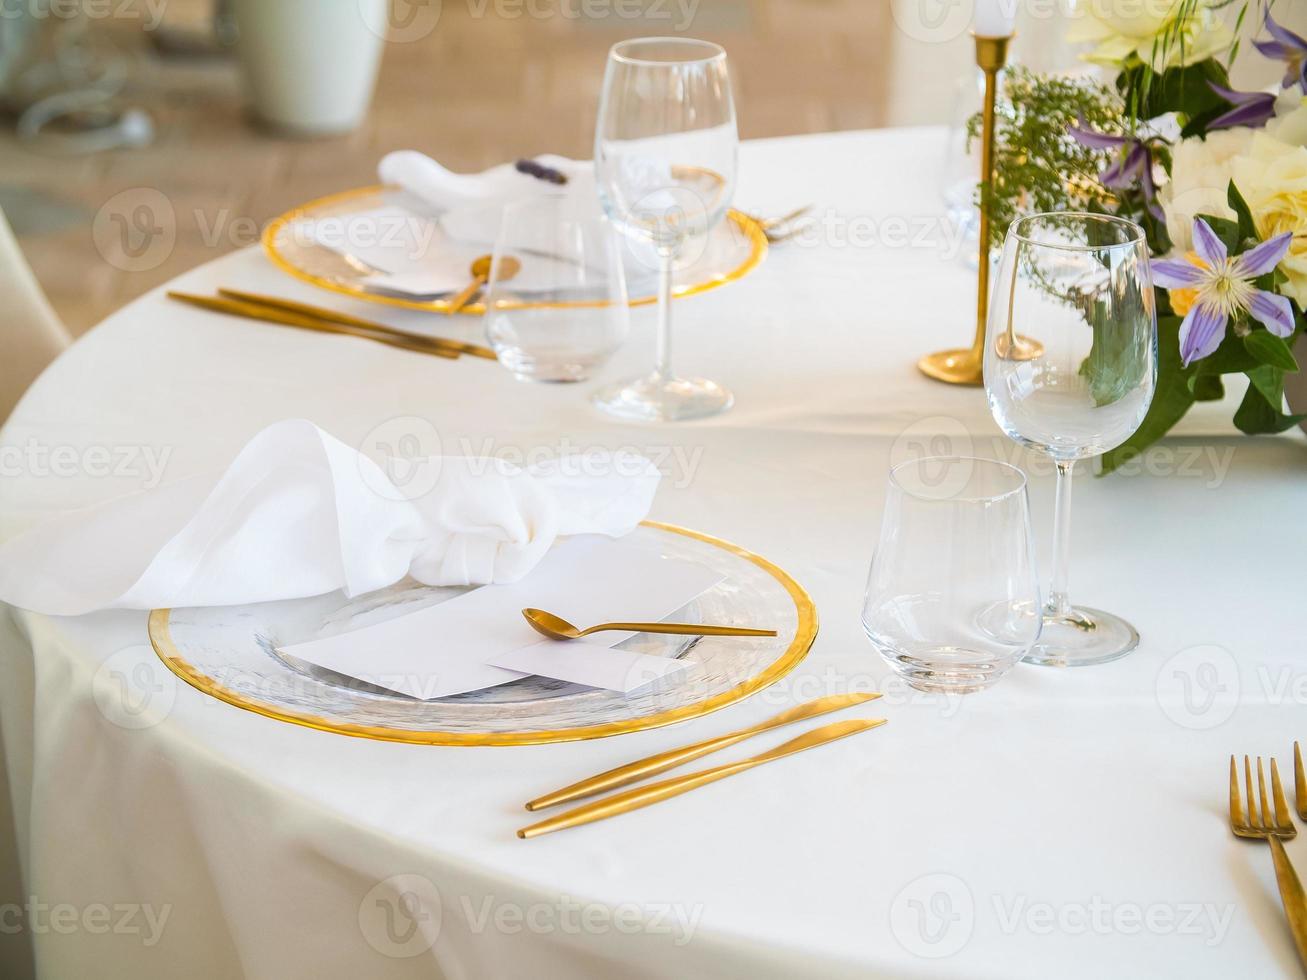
{"x": 1272, "y": 177}
{"x": 1290, "y": 122}
{"x": 1200, "y": 177}
{"x": 1124, "y": 30}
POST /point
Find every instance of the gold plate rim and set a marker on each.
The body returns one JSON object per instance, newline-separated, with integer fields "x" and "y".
{"x": 748, "y": 225}
{"x": 805, "y": 634}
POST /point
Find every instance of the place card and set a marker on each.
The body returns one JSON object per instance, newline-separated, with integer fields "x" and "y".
{"x": 480, "y": 639}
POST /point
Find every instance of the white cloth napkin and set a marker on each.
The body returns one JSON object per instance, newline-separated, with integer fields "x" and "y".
{"x": 470, "y": 205}
{"x": 300, "y": 513}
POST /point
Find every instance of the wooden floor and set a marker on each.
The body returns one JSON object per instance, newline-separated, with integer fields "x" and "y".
{"x": 483, "y": 86}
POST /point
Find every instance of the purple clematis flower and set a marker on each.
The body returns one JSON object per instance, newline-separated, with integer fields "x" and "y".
{"x": 1288, "y": 47}
{"x": 1224, "y": 290}
{"x": 1133, "y": 165}
{"x": 1251, "y": 109}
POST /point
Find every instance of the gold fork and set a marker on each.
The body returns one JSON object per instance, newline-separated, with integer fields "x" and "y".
{"x": 1263, "y": 826}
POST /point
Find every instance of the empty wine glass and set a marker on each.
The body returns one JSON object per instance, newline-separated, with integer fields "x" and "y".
{"x": 1070, "y": 368}
{"x": 952, "y": 598}
{"x": 665, "y": 158}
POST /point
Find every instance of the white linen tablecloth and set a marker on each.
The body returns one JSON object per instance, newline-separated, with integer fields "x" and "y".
{"x": 1066, "y": 824}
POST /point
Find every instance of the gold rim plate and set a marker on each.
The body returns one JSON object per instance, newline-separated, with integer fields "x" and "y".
{"x": 805, "y": 633}
{"x": 282, "y": 252}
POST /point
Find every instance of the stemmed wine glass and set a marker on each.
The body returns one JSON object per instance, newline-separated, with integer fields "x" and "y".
{"x": 665, "y": 159}
{"x": 1070, "y": 368}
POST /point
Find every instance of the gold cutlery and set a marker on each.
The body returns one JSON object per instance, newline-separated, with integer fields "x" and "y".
{"x": 775, "y": 230}
{"x": 557, "y": 628}
{"x": 508, "y": 268}
{"x": 642, "y": 796}
{"x": 1262, "y": 825}
{"x": 346, "y": 320}
{"x": 653, "y": 765}
{"x": 267, "y": 314}
{"x": 1299, "y": 782}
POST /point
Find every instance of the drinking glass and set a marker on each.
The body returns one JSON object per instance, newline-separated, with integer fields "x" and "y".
{"x": 952, "y": 598}
{"x": 556, "y": 305}
{"x": 1070, "y": 368}
{"x": 665, "y": 160}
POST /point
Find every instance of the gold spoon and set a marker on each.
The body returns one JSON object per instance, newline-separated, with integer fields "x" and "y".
{"x": 557, "y": 628}
{"x": 508, "y": 268}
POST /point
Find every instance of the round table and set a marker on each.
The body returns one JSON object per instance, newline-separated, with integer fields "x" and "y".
{"x": 1064, "y": 823}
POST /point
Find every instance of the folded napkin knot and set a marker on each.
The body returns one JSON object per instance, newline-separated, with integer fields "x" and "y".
{"x": 300, "y": 513}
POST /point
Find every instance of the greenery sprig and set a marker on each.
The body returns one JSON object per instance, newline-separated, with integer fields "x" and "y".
{"x": 1038, "y": 165}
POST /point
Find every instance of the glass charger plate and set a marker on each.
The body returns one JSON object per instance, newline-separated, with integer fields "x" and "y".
{"x": 733, "y": 249}
{"x": 230, "y": 653}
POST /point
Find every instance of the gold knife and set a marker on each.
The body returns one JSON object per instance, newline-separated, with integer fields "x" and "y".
{"x": 345, "y": 319}
{"x": 653, "y": 765}
{"x": 1292, "y": 895}
{"x": 268, "y": 314}
{"x": 642, "y": 796}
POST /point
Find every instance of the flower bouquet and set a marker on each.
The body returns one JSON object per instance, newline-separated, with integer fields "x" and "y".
{"x": 1216, "y": 177}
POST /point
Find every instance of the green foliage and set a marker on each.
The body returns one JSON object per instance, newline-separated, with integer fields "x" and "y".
{"x": 1038, "y": 165}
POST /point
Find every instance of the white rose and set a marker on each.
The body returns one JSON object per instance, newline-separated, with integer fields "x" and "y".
{"x": 1201, "y": 171}
{"x": 1290, "y": 122}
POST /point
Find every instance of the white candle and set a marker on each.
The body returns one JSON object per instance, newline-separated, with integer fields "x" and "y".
{"x": 995, "y": 18}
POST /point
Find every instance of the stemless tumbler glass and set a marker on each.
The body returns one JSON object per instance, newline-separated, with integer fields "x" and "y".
{"x": 665, "y": 159}
{"x": 563, "y": 310}
{"x": 953, "y": 597}
{"x": 1070, "y": 367}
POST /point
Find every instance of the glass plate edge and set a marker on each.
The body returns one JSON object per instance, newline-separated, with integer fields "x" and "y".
{"x": 748, "y": 225}
{"x": 804, "y": 636}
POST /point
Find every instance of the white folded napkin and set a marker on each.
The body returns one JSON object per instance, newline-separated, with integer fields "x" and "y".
{"x": 300, "y": 513}
{"x": 443, "y": 190}
{"x": 470, "y": 205}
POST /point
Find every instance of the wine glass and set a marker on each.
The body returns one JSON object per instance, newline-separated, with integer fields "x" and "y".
{"x": 952, "y": 599}
{"x": 665, "y": 160}
{"x": 1070, "y": 368}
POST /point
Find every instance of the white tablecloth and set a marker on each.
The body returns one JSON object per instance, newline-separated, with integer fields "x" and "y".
{"x": 1063, "y": 824}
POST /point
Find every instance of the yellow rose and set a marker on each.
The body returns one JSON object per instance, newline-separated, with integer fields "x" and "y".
{"x": 1121, "y": 30}
{"x": 1184, "y": 297}
{"x": 1272, "y": 177}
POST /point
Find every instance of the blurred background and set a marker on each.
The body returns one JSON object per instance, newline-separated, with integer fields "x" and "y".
{"x": 111, "y": 104}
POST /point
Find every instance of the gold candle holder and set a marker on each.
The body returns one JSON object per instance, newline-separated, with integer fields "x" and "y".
{"x": 962, "y": 366}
